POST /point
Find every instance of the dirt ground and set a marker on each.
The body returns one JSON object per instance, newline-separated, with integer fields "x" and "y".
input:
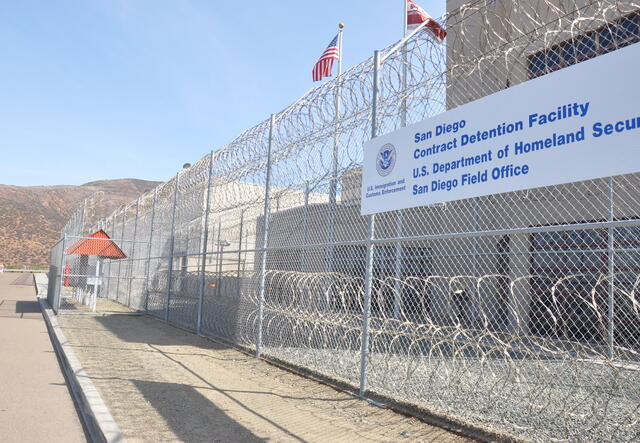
{"x": 164, "y": 384}
{"x": 103, "y": 305}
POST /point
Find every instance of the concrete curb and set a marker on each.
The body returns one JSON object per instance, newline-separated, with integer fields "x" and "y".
{"x": 97, "y": 419}
{"x": 41, "y": 281}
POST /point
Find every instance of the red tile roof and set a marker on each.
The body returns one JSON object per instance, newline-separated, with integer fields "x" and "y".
{"x": 99, "y": 244}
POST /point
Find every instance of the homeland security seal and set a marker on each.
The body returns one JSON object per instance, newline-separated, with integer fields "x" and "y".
{"x": 386, "y": 160}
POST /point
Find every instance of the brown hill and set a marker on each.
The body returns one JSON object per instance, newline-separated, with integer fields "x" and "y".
{"x": 31, "y": 217}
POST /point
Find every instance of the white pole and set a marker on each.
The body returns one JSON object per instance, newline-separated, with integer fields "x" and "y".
{"x": 403, "y": 41}
{"x": 333, "y": 186}
{"x": 340, "y": 27}
{"x": 397, "y": 287}
{"x": 405, "y": 18}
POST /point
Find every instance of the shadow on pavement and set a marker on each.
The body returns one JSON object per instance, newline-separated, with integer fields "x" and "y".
{"x": 155, "y": 332}
{"x": 23, "y": 280}
{"x": 173, "y": 385}
{"x": 27, "y": 307}
{"x": 190, "y": 415}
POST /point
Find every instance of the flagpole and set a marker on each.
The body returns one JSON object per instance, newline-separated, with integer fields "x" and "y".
{"x": 333, "y": 186}
{"x": 340, "y": 28}
{"x": 398, "y": 45}
{"x": 403, "y": 116}
{"x": 406, "y": 19}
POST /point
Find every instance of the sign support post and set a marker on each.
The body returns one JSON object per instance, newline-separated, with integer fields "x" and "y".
{"x": 368, "y": 278}
{"x": 610, "y": 307}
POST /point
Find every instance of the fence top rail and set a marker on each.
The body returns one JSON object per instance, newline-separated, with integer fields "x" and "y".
{"x": 31, "y": 271}
{"x": 471, "y": 234}
{"x": 80, "y": 237}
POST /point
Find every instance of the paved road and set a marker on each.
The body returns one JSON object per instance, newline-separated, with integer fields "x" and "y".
{"x": 35, "y": 404}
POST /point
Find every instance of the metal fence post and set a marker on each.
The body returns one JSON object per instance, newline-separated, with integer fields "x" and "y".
{"x": 124, "y": 222}
{"x": 610, "y": 247}
{"x": 397, "y": 287}
{"x": 305, "y": 236}
{"x": 83, "y": 217}
{"x": 132, "y": 256}
{"x": 113, "y": 226}
{"x": 476, "y": 227}
{"x": 58, "y": 302}
{"x": 218, "y": 264}
{"x": 305, "y": 229}
{"x": 203, "y": 246}
{"x": 172, "y": 241}
{"x": 240, "y": 253}
{"x": 368, "y": 278}
{"x": 265, "y": 228}
{"x": 148, "y": 271}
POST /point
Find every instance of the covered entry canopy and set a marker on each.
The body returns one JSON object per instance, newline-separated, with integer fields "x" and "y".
{"x": 99, "y": 244}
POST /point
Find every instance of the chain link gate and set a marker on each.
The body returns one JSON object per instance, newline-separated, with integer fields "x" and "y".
{"x": 79, "y": 276}
{"x": 516, "y": 311}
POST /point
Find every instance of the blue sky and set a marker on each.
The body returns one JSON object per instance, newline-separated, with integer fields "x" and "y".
{"x": 103, "y": 89}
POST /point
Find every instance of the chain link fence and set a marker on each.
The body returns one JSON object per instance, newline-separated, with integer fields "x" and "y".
{"x": 517, "y": 312}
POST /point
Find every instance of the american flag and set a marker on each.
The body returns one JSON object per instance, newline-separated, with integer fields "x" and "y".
{"x": 416, "y": 16}
{"x": 323, "y": 66}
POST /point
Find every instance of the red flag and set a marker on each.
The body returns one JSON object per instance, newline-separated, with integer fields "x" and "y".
{"x": 416, "y": 16}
